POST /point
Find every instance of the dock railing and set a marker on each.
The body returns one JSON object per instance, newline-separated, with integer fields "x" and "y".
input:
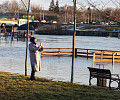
{"x": 56, "y": 52}
{"x": 106, "y": 57}
{"x": 79, "y": 52}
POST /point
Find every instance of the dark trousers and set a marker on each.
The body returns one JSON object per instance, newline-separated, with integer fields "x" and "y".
{"x": 32, "y": 75}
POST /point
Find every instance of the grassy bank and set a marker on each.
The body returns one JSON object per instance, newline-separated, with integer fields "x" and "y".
{"x": 15, "y": 86}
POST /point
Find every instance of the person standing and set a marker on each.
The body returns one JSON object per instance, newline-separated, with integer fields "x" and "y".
{"x": 35, "y": 60}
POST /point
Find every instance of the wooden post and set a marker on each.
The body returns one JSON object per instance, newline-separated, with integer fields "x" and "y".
{"x": 12, "y": 33}
{"x": 73, "y": 50}
{"x": 17, "y": 36}
{"x": 27, "y": 38}
{"x": 87, "y": 53}
{"x": 113, "y": 58}
{"x": 102, "y": 54}
{"x": 59, "y": 52}
{"x": 93, "y": 59}
{"x": 41, "y": 53}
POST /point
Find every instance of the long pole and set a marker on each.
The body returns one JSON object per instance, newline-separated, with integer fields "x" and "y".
{"x": 73, "y": 55}
{"x": 12, "y": 33}
{"x": 40, "y": 15}
{"x": 27, "y": 38}
{"x": 43, "y": 14}
{"x": 66, "y": 14}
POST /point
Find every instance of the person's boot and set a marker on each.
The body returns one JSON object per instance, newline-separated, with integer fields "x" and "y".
{"x": 32, "y": 76}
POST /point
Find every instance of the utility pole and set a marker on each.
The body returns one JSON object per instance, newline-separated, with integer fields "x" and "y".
{"x": 27, "y": 38}
{"x": 73, "y": 50}
{"x": 43, "y": 14}
{"x": 89, "y": 11}
{"x": 88, "y": 19}
{"x": 72, "y": 15}
{"x": 66, "y": 14}
{"x": 40, "y": 15}
{"x": 91, "y": 17}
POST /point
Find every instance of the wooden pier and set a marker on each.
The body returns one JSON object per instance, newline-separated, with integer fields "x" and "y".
{"x": 57, "y": 52}
{"x": 106, "y": 57}
{"x": 96, "y": 54}
{"x": 79, "y": 52}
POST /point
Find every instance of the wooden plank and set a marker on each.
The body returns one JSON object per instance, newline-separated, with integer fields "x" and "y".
{"x": 50, "y": 52}
{"x": 49, "y": 55}
{"x": 103, "y": 60}
{"x": 97, "y": 50}
{"x": 65, "y": 55}
{"x": 65, "y": 52}
{"x": 110, "y": 60}
{"x": 106, "y": 52}
{"x": 58, "y": 48}
{"x": 56, "y": 52}
{"x": 107, "y": 57}
{"x": 84, "y": 53}
{"x": 116, "y": 56}
{"x": 103, "y": 57}
{"x": 116, "y": 60}
{"x": 83, "y": 56}
{"x": 53, "y": 55}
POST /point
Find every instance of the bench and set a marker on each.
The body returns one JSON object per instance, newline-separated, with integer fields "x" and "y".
{"x": 102, "y": 74}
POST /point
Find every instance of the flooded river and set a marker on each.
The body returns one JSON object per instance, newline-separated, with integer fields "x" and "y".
{"x": 12, "y": 57}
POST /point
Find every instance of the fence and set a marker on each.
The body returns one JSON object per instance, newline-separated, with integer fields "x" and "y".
{"x": 79, "y": 52}
{"x": 106, "y": 57}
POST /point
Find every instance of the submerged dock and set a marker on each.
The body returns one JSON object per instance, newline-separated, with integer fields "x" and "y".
{"x": 98, "y": 55}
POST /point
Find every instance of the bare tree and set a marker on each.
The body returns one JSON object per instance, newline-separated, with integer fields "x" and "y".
{"x": 5, "y": 7}
{"x": 37, "y": 11}
{"x": 108, "y": 14}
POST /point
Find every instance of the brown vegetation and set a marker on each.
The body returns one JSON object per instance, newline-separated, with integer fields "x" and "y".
{"x": 65, "y": 13}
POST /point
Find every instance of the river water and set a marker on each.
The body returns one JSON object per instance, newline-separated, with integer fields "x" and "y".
{"x": 12, "y": 57}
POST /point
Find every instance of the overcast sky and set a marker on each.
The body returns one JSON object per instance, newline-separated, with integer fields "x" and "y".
{"x": 46, "y": 3}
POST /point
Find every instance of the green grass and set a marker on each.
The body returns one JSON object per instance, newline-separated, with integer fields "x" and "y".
{"x": 19, "y": 87}
{"x": 105, "y": 27}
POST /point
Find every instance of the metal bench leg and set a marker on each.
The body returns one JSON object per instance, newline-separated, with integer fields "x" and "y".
{"x": 119, "y": 84}
{"x": 98, "y": 82}
{"x": 90, "y": 80}
{"x": 109, "y": 84}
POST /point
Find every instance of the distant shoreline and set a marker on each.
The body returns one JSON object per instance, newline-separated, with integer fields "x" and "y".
{"x": 81, "y": 33}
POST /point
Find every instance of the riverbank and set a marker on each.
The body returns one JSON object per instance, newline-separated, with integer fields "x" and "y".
{"x": 15, "y": 86}
{"x": 81, "y": 33}
{"x": 83, "y": 30}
